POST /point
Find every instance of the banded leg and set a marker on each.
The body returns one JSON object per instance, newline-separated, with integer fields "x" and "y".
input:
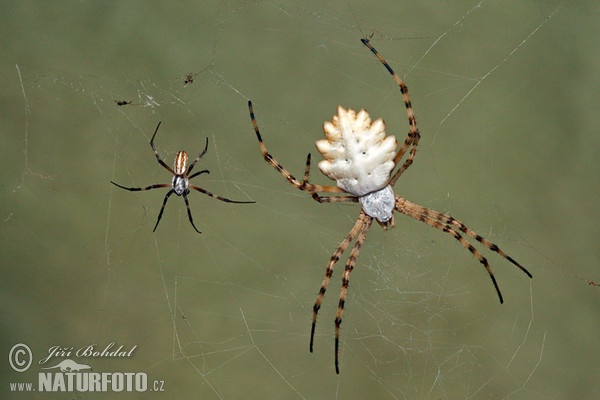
{"x": 360, "y": 222}
{"x": 447, "y": 219}
{"x": 412, "y": 139}
{"x": 445, "y": 223}
{"x": 304, "y": 185}
{"x": 345, "y": 281}
{"x": 325, "y": 199}
{"x": 335, "y": 199}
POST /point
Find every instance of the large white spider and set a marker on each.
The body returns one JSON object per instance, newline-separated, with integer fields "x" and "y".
{"x": 361, "y": 159}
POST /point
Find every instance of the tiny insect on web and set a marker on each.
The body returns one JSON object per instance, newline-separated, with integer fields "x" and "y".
{"x": 361, "y": 158}
{"x": 180, "y": 183}
{"x": 189, "y": 78}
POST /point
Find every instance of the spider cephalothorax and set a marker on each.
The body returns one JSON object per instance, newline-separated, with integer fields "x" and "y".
{"x": 361, "y": 159}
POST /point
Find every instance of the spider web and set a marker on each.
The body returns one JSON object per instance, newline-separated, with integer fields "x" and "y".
{"x": 226, "y": 314}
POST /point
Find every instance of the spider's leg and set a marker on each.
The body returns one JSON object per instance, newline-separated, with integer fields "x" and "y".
{"x": 162, "y": 208}
{"x": 158, "y": 185}
{"x": 441, "y": 222}
{"x": 304, "y": 185}
{"x": 187, "y": 205}
{"x": 345, "y": 281}
{"x": 160, "y": 161}
{"x": 412, "y": 139}
{"x": 204, "y": 171}
{"x": 314, "y": 194}
{"x": 206, "y": 192}
{"x": 447, "y": 219}
{"x": 324, "y": 199}
{"x": 423, "y": 214}
{"x": 197, "y": 159}
{"x": 334, "y": 199}
{"x": 306, "y": 169}
{"x": 329, "y": 271}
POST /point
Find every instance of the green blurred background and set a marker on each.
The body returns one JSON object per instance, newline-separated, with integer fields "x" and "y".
{"x": 506, "y": 97}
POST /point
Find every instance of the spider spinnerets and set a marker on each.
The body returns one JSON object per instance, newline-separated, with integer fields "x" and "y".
{"x": 361, "y": 159}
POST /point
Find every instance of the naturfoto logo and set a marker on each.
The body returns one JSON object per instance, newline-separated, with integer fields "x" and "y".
{"x": 62, "y": 371}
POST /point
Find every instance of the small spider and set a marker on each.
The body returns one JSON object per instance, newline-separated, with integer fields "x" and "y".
{"x": 361, "y": 159}
{"x": 180, "y": 184}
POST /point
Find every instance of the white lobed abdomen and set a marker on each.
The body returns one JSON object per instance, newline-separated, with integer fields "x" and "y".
{"x": 357, "y": 153}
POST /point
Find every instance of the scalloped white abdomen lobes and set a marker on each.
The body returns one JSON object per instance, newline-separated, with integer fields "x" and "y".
{"x": 357, "y": 153}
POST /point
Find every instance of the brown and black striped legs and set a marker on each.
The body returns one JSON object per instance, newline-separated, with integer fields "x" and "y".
{"x": 360, "y": 228}
{"x": 413, "y": 136}
{"x": 302, "y": 185}
{"x": 452, "y": 226}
